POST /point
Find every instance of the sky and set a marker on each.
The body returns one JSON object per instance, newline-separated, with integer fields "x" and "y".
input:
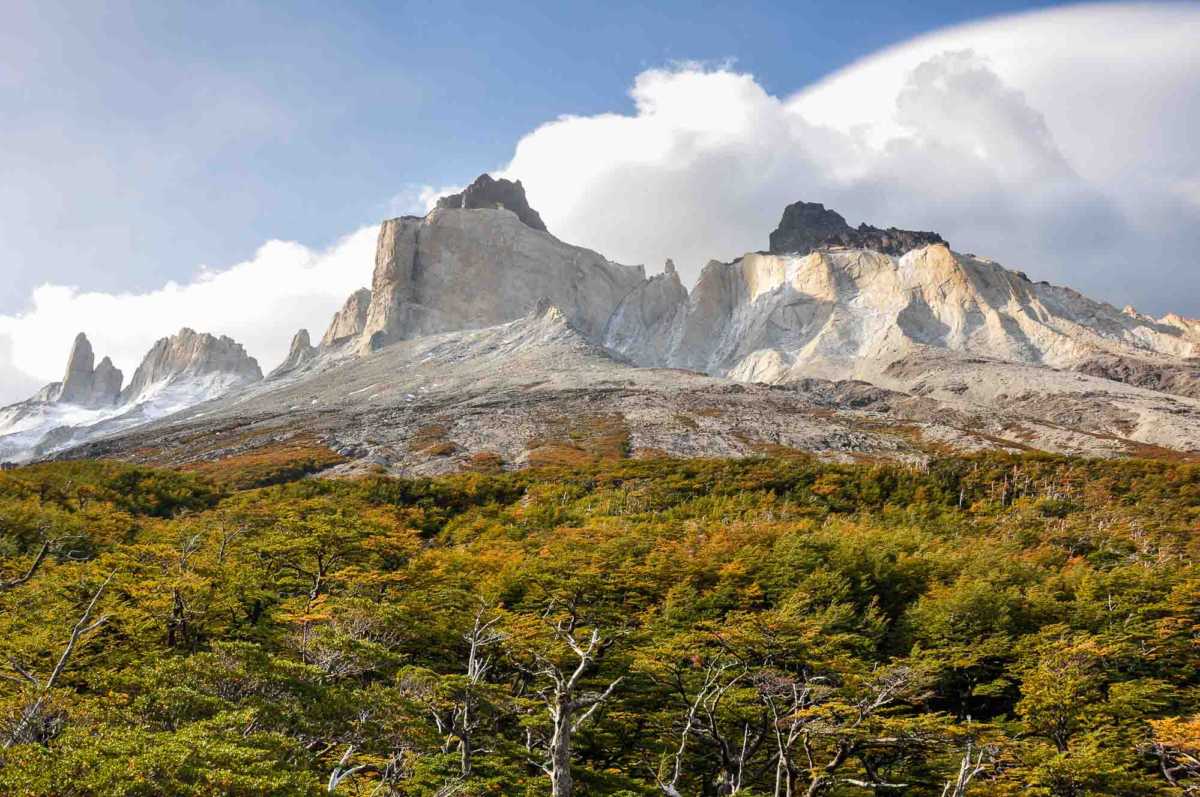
{"x": 222, "y": 165}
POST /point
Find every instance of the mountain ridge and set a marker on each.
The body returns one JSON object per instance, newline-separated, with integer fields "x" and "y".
{"x": 955, "y": 343}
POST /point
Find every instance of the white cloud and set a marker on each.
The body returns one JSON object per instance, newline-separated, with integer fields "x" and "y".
{"x": 260, "y": 303}
{"x": 1057, "y": 142}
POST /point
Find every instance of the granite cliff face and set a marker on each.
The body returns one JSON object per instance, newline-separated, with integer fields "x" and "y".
{"x": 350, "y": 320}
{"x": 848, "y": 313}
{"x": 829, "y": 300}
{"x": 462, "y": 268}
{"x": 86, "y": 384}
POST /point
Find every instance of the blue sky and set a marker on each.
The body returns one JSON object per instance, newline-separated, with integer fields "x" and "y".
{"x": 142, "y": 140}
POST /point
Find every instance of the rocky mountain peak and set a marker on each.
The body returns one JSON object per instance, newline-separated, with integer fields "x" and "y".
{"x": 350, "y": 320}
{"x": 809, "y": 226}
{"x": 77, "y": 381}
{"x": 106, "y": 384}
{"x": 300, "y": 352}
{"x": 445, "y": 273}
{"x": 487, "y": 192}
{"x": 192, "y": 355}
{"x": 84, "y": 383}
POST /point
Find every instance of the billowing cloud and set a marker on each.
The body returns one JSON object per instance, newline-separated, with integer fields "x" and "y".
{"x": 1056, "y": 142}
{"x": 260, "y": 303}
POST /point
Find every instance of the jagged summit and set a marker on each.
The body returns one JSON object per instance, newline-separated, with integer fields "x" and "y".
{"x": 453, "y": 271}
{"x": 349, "y": 321}
{"x": 300, "y": 352}
{"x": 809, "y": 226}
{"x": 487, "y": 192}
{"x": 192, "y": 356}
{"x": 86, "y": 384}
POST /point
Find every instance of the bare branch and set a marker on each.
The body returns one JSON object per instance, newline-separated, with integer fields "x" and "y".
{"x": 30, "y": 572}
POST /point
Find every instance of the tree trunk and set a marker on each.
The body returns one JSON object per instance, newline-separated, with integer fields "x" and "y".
{"x": 560, "y": 753}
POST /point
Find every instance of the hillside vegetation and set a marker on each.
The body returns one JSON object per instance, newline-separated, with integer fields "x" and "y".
{"x": 982, "y": 626}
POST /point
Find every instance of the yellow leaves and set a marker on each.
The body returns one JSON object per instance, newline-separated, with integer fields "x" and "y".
{"x": 1178, "y": 733}
{"x": 300, "y": 611}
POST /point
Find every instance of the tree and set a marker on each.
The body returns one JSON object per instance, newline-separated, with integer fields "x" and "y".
{"x": 24, "y": 729}
{"x": 559, "y": 683}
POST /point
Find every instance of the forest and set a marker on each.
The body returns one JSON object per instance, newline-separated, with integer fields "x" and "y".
{"x": 983, "y": 625}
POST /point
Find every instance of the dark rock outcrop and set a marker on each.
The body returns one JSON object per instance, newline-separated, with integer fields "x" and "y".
{"x": 809, "y": 226}
{"x": 488, "y": 193}
{"x": 1182, "y": 379}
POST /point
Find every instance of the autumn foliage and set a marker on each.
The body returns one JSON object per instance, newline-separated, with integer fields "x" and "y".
{"x": 990, "y": 625}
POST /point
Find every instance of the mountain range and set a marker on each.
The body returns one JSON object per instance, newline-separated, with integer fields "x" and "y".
{"x": 485, "y": 339}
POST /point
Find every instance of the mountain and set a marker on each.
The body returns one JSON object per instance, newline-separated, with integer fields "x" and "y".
{"x": 483, "y": 335}
{"x": 178, "y": 372}
{"x": 191, "y": 362}
{"x": 86, "y": 384}
{"x": 468, "y": 268}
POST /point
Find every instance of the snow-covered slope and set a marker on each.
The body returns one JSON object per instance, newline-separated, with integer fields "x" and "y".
{"x": 178, "y": 372}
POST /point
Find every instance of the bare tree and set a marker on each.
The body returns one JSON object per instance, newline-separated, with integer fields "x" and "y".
{"x": 734, "y": 740}
{"x": 846, "y": 734}
{"x": 458, "y": 719}
{"x": 480, "y": 640}
{"x": 786, "y": 697}
{"x": 975, "y": 762}
{"x": 22, "y": 729}
{"x": 668, "y": 782}
{"x": 568, "y": 706}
